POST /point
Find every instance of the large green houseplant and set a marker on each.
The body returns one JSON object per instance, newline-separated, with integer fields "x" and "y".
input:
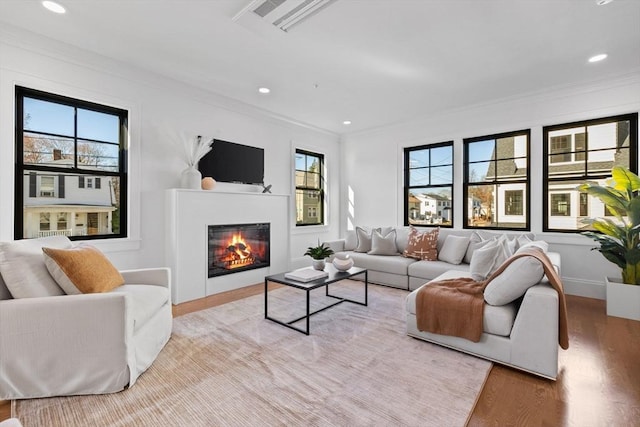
{"x": 619, "y": 238}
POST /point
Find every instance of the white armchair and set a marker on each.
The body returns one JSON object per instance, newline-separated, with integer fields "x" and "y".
{"x": 83, "y": 344}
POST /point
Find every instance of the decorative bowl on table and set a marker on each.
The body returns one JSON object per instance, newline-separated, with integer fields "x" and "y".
{"x": 342, "y": 262}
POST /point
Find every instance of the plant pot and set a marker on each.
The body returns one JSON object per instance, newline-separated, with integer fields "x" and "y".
{"x": 318, "y": 264}
{"x": 622, "y": 300}
{"x": 191, "y": 178}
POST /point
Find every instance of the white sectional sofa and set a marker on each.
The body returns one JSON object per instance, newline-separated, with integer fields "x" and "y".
{"x": 522, "y": 333}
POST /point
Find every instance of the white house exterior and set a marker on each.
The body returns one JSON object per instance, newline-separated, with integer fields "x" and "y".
{"x": 434, "y": 208}
{"x": 67, "y": 204}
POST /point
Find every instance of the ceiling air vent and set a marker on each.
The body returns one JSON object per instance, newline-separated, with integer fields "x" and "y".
{"x": 283, "y": 14}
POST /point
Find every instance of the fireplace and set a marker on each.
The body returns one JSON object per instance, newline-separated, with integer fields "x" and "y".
{"x": 237, "y": 247}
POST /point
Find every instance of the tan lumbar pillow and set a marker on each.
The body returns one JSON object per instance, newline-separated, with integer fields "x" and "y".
{"x": 82, "y": 270}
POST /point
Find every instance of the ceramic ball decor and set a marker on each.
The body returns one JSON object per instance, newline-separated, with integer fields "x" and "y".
{"x": 342, "y": 262}
{"x": 208, "y": 183}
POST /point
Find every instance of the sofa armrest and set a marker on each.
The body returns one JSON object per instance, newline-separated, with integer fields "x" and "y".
{"x": 336, "y": 245}
{"x": 148, "y": 276}
{"x": 64, "y": 345}
{"x": 534, "y": 336}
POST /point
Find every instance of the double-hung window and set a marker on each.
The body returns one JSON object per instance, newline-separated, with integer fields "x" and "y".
{"x": 70, "y": 170}
{"x": 309, "y": 176}
{"x": 583, "y": 151}
{"x": 496, "y": 181}
{"x": 428, "y": 185}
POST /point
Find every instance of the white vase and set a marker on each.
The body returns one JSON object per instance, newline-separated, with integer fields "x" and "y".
{"x": 342, "y": 262}
{"x": 191, "y": 178}
{"x": 318, "y": 264}
{"x": 622, "y": 300}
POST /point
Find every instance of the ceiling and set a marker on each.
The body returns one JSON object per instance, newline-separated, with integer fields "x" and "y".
{"x": 374, "y": 62}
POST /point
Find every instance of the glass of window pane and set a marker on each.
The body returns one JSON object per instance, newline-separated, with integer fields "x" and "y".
{"x": 511, "y": 169}
{"x": 480, "y": 205}
{"x": 430, "y": 206}
{"x": 308, "y": 207}
{"x": 480, "y": 172}
{"x": 441, "y": 175}
{"x": 441, "y": 156}
{"x": 47, "y": 150}
{"x": 419, "y": 159}
{"x": 98, "y": 155}
{"x": 98, "y": 126}
{"x": 481, "y": 150}
{"x": 48, "y": 117}
{"x": 419, "y": 177}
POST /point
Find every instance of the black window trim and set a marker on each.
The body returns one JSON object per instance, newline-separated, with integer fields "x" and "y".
{"x": 526, "y": 180}
{"x": 633, "y": 159}
{"x": 321, "y": 192}
{"x": 19, "y": 168}
{"x": 407, "y": 188}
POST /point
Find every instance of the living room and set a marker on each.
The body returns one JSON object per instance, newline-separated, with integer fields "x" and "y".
{"x": 365, "y": 159}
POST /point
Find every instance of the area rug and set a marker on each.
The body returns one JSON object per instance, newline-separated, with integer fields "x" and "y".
{"x": 228, "y": 366}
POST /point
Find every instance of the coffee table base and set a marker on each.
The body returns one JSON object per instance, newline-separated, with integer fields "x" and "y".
{"x": 309, "y": 313}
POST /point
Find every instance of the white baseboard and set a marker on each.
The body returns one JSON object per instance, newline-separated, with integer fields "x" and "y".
{"x": 584, "y": 288}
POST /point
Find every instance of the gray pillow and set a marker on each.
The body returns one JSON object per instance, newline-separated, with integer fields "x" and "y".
{"x": 350, "y": 240}
{"x": 383, "y": 245}
{"x": 514, "y": 281}
{"x": 486, "y": 260}
{"x": 454, "y": 249}
{"x": 364, "y": 239}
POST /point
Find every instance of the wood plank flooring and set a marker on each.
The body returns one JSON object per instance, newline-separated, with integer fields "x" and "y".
{"x": 598, "y": 385}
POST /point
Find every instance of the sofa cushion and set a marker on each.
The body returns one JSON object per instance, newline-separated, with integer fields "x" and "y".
{"x": 389, "y": 264}
{"x": 430, "y": 269}
{"x": 82, "y": 269}
{"x": 454, "y": 249}
{"x": 147, "y": 300}
{"x": 364, "y": 239}
{"x": 402, "y": 238}
{"x": 350, "y": 240}
{"x": 23, "y": 269}
{"x": 383, "y": 244}
{"x": 497, "y": 320}
{"x": 514, "y": 281}
{"x": 422, "y": 245}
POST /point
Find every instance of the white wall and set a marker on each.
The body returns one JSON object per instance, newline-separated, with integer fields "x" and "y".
{"x": 372, "y": 174}
{"x": 157, "y": 107}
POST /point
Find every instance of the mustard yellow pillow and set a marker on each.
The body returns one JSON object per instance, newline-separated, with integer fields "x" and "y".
{"x": 82, "y": 270}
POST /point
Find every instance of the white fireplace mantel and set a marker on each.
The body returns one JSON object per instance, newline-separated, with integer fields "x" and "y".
{"x": 189, "y": 212}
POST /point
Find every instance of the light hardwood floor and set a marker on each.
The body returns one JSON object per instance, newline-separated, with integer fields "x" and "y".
{"x": 598, "y": 385}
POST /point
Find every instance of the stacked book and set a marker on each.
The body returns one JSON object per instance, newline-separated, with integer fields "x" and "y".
{"x": 306, "y": 275}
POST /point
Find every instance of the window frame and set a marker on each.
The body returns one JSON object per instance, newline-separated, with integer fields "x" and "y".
{"x": 20, "y": 168}
{"x": 584, "y": 157}
{"x": 526, "y": 199}
{"x": 407, "y": 181}
{"x": 319, "y": 192}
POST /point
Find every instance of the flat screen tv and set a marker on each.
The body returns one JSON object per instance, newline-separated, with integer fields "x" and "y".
{"x": 231, "y": 162}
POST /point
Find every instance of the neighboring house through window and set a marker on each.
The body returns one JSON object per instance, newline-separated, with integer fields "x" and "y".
{"x": 428, "y": 185}
{"x": 70, "y": 167}
{"x": 583, "y": 151}
{"x": 309, "y": 177}
{"x": 496, "y": 181}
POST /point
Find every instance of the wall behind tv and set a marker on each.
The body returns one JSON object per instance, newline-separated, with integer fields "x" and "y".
{"x": 158, "y": 106}
{"x": 379, "y": 157}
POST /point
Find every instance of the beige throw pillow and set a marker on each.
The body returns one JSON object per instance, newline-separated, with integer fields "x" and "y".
{"x": 422, "y": 246}
{"x": 454, "y": 249}
{"x": 364, "y": 239}
{"x": 82, "y": 270}
{"x": 383, "y": 245}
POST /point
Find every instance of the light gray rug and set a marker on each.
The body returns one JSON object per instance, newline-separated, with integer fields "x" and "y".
{"x": 228, "y": 366}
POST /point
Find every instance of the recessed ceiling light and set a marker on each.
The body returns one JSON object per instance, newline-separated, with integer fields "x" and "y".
{"x": 598, "y": 58}
{"x": 264, "y": 90}
{"x": 54, "y": 7}
{"x": 346, "y": 122}
{"x": 603, "y": 2}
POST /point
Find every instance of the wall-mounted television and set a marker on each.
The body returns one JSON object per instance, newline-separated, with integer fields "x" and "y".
{"x": 231, "y": 162}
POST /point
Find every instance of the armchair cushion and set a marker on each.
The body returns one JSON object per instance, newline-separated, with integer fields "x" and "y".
{"x": 82, "y": 269}
{"x": 22, "y": 268}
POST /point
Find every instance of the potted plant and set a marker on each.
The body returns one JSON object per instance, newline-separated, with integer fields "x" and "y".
{"x": 619, "y": 238}
{"x": 319, "y": 254}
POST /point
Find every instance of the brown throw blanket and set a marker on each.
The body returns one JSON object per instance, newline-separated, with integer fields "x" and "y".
{"x": 456, "y": 306}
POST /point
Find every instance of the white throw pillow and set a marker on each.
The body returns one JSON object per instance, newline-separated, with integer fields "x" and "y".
{"x": 487, "y": 259}
{"x": 536, "y": 244}
{"x": 23, "y": 269}
{"x": 350, "y": 241}
{"x": 364, "y": 239}
{"x": 383, "y": 244}
{"x": 454, "y": 249}
{"x": 514, "y": 281}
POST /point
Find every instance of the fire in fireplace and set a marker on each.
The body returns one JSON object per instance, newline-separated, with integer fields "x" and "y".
{"x": 237, "y": 247}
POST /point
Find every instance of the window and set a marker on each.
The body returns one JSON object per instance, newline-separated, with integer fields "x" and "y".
{"x": 65, "y": 146}
{"x": 428, "y": 185}
{"x": 576, "y": 152}
{"x": 309, "y": 188}
{"x": 496, "y": 181}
